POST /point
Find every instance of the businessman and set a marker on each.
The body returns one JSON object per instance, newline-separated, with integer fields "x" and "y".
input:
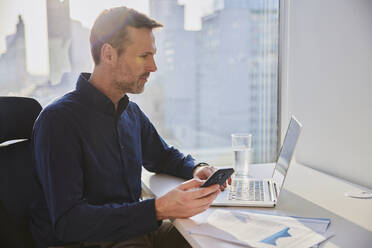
{"x": 90, "y": 146}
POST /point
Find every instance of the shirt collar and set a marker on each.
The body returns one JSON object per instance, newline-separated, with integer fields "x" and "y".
{"x": 95, "y": 98}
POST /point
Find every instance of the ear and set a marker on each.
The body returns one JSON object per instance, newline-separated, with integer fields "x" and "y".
{"x": 108, "y": 54}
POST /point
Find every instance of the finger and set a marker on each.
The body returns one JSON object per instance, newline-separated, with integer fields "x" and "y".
{"x": 202, "y": 192}
{"x": 213, "y": 196}
{"x": 223, "y": 187}
{"x": 229, "y": 181}
{"x": 194, "y": 211}
{"x": 210, "y": 198}
{"x": 193, "y": 183}
{"x": 198, "y": 210}
{"x": 211, "y": 170}
{"x": 208, "y": 171}
{"x": 204, "y": 173}
{"x": 207, "y": 200}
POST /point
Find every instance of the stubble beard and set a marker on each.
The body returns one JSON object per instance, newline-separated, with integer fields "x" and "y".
{"x": 127, "y": 83}
{"x": 128, "y": 86}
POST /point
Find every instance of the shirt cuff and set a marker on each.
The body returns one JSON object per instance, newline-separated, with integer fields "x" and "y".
{"x": 149, "y": 219}
{"x": 188, "y": 167}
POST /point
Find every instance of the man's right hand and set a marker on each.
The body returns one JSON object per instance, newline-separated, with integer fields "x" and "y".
{"x": 186, "y": 200}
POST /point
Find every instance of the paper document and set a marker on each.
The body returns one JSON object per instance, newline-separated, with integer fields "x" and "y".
{"x": 263, "y": 230}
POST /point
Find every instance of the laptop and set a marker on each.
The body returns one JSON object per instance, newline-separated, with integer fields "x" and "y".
{"x": 263, "y": 192}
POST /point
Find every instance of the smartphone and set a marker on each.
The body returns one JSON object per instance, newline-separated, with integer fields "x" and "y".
{"x": 218, "y": 177}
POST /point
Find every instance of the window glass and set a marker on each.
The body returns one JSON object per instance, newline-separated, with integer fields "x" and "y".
{"x": 217, "y": 66}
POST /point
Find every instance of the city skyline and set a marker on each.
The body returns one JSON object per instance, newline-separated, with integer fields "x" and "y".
{"x": 223, "y": 77}
{"x": 35, "y": 19}
{"x": 210, "y": 83}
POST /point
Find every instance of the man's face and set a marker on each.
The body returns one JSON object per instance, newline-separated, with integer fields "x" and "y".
{"x": 133, "y": 66}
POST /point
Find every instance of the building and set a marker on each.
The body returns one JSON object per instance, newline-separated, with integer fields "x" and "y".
{"x": 175, "y": 80}
{"x": 69, "y": 52}
{"x": 13, "y": 72}
{"x": 221, "y": 79}
{"x": 59, "y": 38}
{"x": 237, "y": 76}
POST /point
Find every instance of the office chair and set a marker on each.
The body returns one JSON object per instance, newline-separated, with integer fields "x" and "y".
{"x": 18, "y": 185}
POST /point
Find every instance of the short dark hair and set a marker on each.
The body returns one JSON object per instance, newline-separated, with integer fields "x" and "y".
{"x": 111, "y": 27}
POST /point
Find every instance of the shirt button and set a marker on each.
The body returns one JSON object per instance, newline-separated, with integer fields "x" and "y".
{"x": 122, "y": 147}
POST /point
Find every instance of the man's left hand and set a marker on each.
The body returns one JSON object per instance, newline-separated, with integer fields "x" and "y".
{"x": 203, "y": 172}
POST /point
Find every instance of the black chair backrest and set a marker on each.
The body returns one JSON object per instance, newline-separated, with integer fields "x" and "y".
{"x": 18, "y": 186}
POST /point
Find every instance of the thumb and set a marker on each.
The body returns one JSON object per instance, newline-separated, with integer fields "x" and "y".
{"x": 193, "y": 183}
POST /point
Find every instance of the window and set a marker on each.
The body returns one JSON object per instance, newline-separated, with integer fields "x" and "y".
{"x": 213, "y": 79}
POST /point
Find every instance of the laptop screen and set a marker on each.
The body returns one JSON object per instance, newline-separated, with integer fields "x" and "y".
{"x": 286, "y": 152}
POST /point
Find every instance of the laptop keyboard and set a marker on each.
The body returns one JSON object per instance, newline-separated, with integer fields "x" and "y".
{"x": 251, "y": 190}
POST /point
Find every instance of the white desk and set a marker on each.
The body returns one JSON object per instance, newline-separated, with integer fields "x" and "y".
{"x": 307, "y": 193}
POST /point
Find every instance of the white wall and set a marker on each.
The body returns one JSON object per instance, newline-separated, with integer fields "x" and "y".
{"x": 326, "y": 76}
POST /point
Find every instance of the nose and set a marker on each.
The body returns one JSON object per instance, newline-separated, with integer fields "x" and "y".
{"x": 151, "y": 66}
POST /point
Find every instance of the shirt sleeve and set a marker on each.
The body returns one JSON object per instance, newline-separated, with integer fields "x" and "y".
{"x": 159, "y": 157}
{"x": 59, "y": 161}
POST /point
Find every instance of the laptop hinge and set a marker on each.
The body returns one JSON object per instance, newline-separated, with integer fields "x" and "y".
{"x": 273, "y": 191}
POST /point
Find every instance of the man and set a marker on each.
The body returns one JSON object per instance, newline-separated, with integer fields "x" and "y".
{"x": 90, "y": 145}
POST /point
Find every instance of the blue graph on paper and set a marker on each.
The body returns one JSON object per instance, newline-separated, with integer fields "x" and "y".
{"x": 273, "y": 238}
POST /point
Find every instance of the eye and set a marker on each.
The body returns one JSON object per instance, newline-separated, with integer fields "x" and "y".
{"x": 143, "y": 56}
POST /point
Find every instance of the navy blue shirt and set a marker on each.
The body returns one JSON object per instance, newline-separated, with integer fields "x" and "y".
{"x": 88, "y": 159}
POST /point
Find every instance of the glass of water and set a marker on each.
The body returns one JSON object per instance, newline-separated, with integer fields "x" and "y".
{"x": 241, "y": 145}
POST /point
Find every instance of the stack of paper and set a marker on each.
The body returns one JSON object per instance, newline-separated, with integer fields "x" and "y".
{"x": 263, "y": 230}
